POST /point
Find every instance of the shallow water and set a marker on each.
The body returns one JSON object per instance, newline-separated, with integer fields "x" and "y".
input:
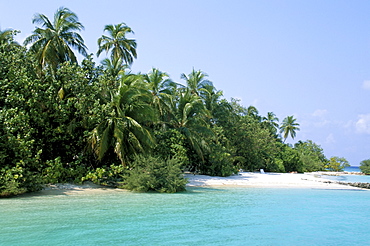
{"x": 349, "y": 177}
{"x": 200, "y": 216}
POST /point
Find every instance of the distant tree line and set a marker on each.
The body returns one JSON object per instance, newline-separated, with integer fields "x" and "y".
{"x": 61, "y": 121}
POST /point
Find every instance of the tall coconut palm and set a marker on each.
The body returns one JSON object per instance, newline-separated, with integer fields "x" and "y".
{"x": 189, "y": 116}
{"x": 122, "y": 129}
{"x": 211, "y": 98}
{"x": 161, "y": 87}
{"x": 52, "y": 43}
{"x": 117, "y": 43}
{"x": 271, "y": 122}
{"x": 289, "y": 127}
{"x": 195, "y": 81}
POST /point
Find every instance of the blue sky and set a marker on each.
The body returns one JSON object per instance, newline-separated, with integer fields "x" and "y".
{"x": 310, "y": 59}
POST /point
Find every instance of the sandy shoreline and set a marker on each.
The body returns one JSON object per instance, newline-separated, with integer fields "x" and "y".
{"x": 268, "y": 180}
{"x": 243, "y": 179}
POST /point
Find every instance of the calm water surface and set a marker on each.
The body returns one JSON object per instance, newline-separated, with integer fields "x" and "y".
{"x": 350, "y": 178}
{"x": 200, "y": 216}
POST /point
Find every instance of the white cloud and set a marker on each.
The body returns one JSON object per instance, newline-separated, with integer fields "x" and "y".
{"x": 363, "y": 124}
{"x": 320, "y": 112}
{"x": 366, "y": 85}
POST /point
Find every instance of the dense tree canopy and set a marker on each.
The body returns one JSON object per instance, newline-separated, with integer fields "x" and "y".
{"x": 365, "y": 166}
{"x": 81, "y": 122}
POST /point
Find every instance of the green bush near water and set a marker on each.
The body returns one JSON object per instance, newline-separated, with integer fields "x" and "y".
{"x": 155, "y": 174}
{"x": 365, "y": 166}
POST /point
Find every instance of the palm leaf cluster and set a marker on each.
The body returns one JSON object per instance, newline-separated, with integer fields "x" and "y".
{"x": 122, "y": 128}
{"x": 53, "y": 41}
{"x": 117, "y": 43}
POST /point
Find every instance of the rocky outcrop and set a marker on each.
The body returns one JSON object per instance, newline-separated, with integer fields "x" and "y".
{"x": 356, "y": 184}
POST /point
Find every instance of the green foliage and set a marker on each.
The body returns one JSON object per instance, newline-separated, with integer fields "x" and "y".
{"x": 19, "y": 152}
{"x": 290, "y": 159}
{"x": 117, "y": 43}
{"x": 110, "y": 176}
{"x": 189, "y": 117}
{"x": 52, "y": 42}
{"x": 277, "y": 165}
{"x": 17, "y": 180}
{"x": 150, "y": 173}
{"x": 289, "y": 127}
{"x": 311, "y": 155}
{"x": 365, "y": 166}
{"x": 122, "y": 128}
{"x": 220, "y": 159}
{"x": 254, "y": 143}
{"x": 218, "y": 163}
{"x": 58, "y": 172}
{"x": 61, "y": 122}
{"x": 171, "y": 145}
{"x": 11, "y": 181}
{"x": 337, "y": 164}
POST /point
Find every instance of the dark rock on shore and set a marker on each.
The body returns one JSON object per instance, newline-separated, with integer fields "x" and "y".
{"x": 357, "y": 184}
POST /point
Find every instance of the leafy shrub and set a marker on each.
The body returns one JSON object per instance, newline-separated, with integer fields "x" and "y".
{"x": 58, "y": 172}
{"x": 365, "y": 166}
{"x": 337, "y": 164}
{"x": 18, "y": 180}
{"x": 150, "y": 173}
{"x": 110, "y": 176}
{"x": 219, "y": 162}
{"x": 171, "y": 144}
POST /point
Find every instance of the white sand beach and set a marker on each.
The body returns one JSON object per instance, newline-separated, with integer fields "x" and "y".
{"x": 243, "y": 179}
{"x": 268, "y": 180}
{"x": 69, "y": 189}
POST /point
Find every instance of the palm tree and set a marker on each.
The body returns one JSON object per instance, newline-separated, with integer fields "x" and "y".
{"x": 117, "y": 43}
{"x": 189, "y": 116}
{"x": 252, "y": 111}
{"x": 195, "y": 81}
{"x": 114, "y": 68}
{"x": 271, "y": 121}
{"x": 123, "y": 128}
{"x": 52, "y": 43}
{"x": 211, "y": 98}
{"x": 162, "y": 88}
{"x": 289, "y": 127}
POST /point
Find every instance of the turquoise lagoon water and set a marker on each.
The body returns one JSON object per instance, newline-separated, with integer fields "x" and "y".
{"x": 350, "y": 178}
{"x": 200, "y": 216}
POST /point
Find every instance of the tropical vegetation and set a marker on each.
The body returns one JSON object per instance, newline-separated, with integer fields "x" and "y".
{"x": 65, "y": 121}
{"x": 337, "y": 164}
{"x": 365, "y": 166}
